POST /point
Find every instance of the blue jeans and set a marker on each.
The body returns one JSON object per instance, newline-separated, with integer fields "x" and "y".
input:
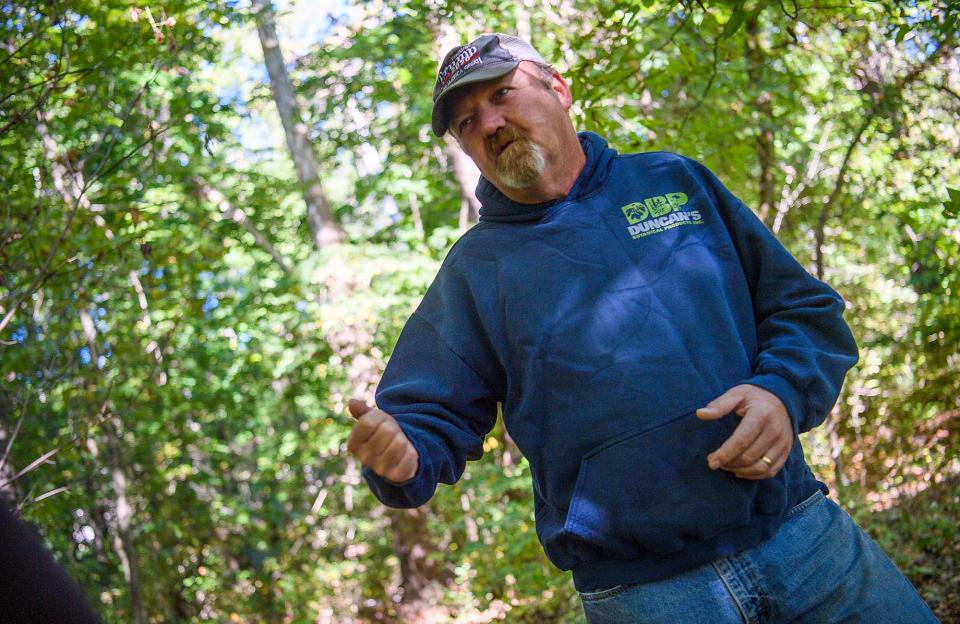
{"x": 819, "y": 568}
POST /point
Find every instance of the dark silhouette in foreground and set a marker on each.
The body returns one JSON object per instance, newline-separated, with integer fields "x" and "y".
{"x": 34, "y": 589}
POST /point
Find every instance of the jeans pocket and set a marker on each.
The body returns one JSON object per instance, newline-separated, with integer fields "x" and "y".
{"x": 652, "y": 491}
{"x": 805, "y": 504}
{"x": 602, "y": 594}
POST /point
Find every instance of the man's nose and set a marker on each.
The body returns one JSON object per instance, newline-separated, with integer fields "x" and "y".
{"x": 490, "y": 119}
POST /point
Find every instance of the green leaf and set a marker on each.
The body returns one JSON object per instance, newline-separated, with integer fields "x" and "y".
{"x": 902, "y": 32}
{"x": 734, "y": 23}
{"x": 951, "y": 207}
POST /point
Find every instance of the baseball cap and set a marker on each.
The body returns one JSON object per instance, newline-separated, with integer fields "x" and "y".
{"x": 488, "y": 56}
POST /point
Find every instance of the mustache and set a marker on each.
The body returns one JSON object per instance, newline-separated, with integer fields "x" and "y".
{"x": 505, "y": 135}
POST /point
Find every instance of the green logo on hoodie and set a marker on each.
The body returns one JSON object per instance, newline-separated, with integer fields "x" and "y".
{"x": 656, "y": 206}
{"x": 652, "y": 214}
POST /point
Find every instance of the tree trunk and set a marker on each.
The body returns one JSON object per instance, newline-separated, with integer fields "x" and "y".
{"x": 467, "y": 176}
{"x": 413, "y": 544}
{"x": 8, "y": 492}
{"x": 763, "y": 103}
{"x": 417, "y": 218}
{"x": 123, "y": 536}
{"x": 97, "y": 513}
{"x": 836, "y": 451}
{"x": 319, "y": 216}
{"x": 464, "y": 170}
{"x": 522, "y": 10}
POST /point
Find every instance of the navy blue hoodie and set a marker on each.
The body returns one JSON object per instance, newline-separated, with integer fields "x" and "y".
{"x": 601, "y": 322}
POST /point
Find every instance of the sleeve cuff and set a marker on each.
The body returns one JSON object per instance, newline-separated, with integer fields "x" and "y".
{"x": 786, "y": 392}
{"x": 413, "y": 492}
{"x": 367, "y": 473}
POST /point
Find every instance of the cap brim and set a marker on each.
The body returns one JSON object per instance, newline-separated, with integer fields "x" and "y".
{"x": 438, "y": 117}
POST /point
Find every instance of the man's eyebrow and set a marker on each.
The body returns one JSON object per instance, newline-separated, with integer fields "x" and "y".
{"x": 452, "y": 109}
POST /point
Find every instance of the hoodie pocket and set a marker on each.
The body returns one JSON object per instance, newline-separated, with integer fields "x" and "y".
{"x": 653, "y": 491}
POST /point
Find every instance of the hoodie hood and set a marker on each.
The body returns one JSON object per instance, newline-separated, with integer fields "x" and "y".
{"x": 495, "y": 206}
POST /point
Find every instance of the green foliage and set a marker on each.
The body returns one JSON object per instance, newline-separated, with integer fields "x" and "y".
{"x": 148, "y": 333}
{"x": 921, "y": 534}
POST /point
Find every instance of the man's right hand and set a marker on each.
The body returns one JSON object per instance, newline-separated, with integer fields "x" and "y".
{"x": 380, "y": 444}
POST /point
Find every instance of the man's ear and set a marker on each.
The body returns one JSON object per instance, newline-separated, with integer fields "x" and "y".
{"x": 562, "y": 90}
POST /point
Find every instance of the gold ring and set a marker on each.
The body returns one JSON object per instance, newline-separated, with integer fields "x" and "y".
{"x": 767, "y": 461}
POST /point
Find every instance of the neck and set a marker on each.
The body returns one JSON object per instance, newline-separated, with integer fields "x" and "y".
{"x": 556, "y": 181}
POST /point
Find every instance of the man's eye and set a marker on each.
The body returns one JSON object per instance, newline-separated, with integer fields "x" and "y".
{"x": 502, "y": 92}
{"x": 464, "y": 123}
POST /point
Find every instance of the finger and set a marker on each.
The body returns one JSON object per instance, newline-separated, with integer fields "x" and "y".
{"x": 776, "y": 433}
{"x": 406, "y": 469}
{"x": 410, "y": 463}
{"x": 357, "y": 408}
{"x": 368, "y": 441}
{"x": 780, "y": 454}
{"x": 741, "y": 439}
{"x": 381, "y": 440}
{"x": 777, "y": 455}
{"x": 753, "y": 474}
{"x": 722, "y": 405}
{"x": 760, "y": 447}
{"x": 388, "y": 461}
{"x": 365, "y": 429}
{"x": 758, "y": 471}
{"x": 394, "y": 451}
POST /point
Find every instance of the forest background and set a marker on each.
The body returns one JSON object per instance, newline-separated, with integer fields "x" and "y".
{"x": 216, "y": 216}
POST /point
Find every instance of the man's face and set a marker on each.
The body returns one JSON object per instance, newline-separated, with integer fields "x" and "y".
{"x": 513, "y": 127}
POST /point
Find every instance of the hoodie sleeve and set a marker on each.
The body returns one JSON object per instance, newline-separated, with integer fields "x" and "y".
{"x": 805, "y": 348}
{"x": 440, "y": 394}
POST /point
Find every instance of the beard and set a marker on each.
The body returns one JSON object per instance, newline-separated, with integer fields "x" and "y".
{"x": 521, "y": 164}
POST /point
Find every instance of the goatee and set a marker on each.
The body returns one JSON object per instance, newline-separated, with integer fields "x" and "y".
{"x": 521, "y": 163}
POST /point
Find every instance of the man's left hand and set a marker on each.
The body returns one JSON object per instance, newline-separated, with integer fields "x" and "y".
{"x": 761, "y": 443}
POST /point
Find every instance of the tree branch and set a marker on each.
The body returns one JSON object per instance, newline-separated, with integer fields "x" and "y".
{"x": 238, "y": 216}
{"x": 899, "y": 87}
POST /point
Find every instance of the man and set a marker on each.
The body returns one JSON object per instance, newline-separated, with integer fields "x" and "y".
{"x": 656, "y": 351}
